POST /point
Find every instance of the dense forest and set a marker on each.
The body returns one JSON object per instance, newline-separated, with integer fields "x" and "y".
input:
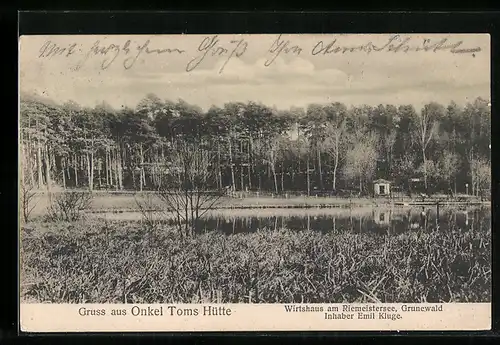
{"x": 324, "y": 147}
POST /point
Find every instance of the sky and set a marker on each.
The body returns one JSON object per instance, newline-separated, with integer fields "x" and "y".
{"x": 105, "y": 68}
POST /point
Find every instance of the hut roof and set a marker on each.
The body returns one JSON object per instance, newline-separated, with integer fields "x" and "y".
{"x": 381, "y": 180}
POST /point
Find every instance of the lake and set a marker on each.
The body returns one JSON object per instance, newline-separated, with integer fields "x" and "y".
{"x": 376, "y": 220}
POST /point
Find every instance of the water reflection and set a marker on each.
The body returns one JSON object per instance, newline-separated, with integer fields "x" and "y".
{"x": 382, "y": 221}
{"x": 375, "y": 220}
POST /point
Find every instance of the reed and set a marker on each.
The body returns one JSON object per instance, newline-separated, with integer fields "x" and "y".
{"x": 118, "y": 262}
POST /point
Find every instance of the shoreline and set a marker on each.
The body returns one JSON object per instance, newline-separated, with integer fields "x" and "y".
{"x": 305, "y": 206}
{"x": 120, "y": 202}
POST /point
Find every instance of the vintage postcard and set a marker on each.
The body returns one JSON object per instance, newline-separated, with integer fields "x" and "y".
{"x": 308, "y": 182}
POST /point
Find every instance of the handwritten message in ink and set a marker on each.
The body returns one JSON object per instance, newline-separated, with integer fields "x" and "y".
{"x": 215, "y": 47}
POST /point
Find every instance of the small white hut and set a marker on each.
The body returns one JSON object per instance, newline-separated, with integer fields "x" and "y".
{"x": 382, "y": 187}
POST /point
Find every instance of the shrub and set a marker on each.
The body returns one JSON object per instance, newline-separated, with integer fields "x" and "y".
{"x": 68, "y": 206}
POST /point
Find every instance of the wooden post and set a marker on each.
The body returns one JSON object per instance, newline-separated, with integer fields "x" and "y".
{"x": 308, "y": 179}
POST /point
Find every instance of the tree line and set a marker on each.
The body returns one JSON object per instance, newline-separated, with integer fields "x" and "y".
{"x": 251, "y": 146}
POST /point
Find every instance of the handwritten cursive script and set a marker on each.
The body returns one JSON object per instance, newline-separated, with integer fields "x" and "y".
{"x": 210, "y": 46}
{"x": 112, "y": 51}
{"x": 50, "y": 49}
{"x": 109, "y": 52}
{"x": 394, "y": 44}
{"x": 281, "y": 46}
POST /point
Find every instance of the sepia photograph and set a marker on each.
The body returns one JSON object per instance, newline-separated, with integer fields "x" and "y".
{"x": 255, "y": 169}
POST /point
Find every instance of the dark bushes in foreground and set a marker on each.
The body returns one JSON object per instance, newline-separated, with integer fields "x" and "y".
{"x": 119, "y": 263}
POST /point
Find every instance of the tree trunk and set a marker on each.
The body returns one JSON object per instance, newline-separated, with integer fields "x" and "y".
{"x": 390, "y": 159}
{"x": 119, "y": 167}
{"x": 335, "y": 165}
{"x": 106, "y": 164}
{"x": 47, "y": 171}
{"x": 308, "y": 179}
{"x": 113, "y": 170}
{"x": 425, "y": 169}
{"x": 320, "y": 169}
{"x": 360, "y": 181}
{"x": 114, "y": 167}
{"x": 39, "y": 168}
{"x": 161, "y": 169}
{"x": 260, "y": 179}
{"x": 141, "y": 175}
{"x": 282, "y": 179}
{"x": 92, "y": 166}
{"x": 219, "y": 168}
{"x": 63, "y": 173}
{"x": 233, "y": 187}
{"x": 112, "y": 181}
{"x": 186, "y": 212}
{"x": 193, "y": 212}
{"x": 275, "y": 178}
{"x": 53, "y": 165}
{"x": 24, "y": 163}
{"x": 249, "y": 164}
{"x": 84, "y": 160}
{"x": 31, "y": 164}
{"x": 75, "y": 168}
{"x": 28, "y": 160}
{"x": 66, "y": 164}
{"x": 87, "y": 159}
{"x": 99, "y": 177}
{"x": 90, "y": 173}
{"x": 154, "y": 171}
{"x": 241, "y": 165}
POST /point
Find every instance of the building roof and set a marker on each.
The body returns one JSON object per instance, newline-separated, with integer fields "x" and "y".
{"x": 381, "y": 180}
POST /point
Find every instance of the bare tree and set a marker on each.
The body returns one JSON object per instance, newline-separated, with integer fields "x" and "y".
{"x": 271, "y": 153}
{"x": 69, "y": 205}
{"x": 192, "y": 195}
{"x": 333, "y": 144}
{"x": 28, "y": 199}
{"x": 427, "y": 128}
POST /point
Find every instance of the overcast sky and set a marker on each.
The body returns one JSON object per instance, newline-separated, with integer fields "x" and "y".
{"x": 293, "y": 79}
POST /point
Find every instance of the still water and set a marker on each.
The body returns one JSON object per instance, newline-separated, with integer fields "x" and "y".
{"x": 392, "y": 220}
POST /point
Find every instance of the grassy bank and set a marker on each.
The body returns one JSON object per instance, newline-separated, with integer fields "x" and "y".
{"x": 118, "y": 262}
{"x": 104, "y": 202}
{"x": 127, "y": 202}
